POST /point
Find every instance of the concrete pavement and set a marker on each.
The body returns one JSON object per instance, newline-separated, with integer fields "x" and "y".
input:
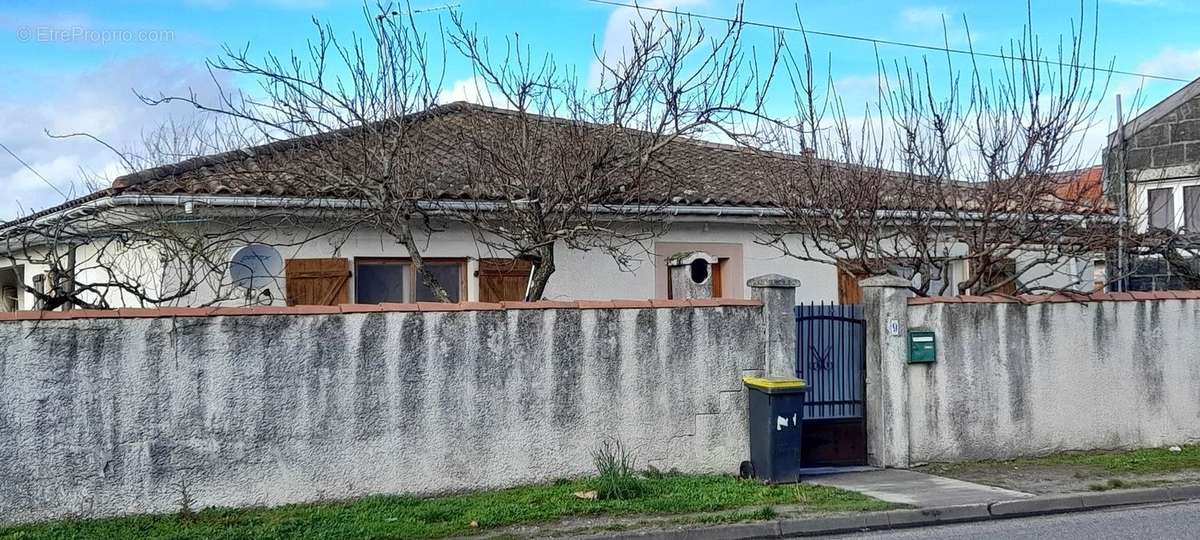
{"x": 915, "y": 489}
{"x": 937, "y": 517}
{"x": 1161, "y": 522}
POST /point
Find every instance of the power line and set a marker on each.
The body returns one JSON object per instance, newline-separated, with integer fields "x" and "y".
{"x": 878, "y": 41}
{"x": 32, "y": 170}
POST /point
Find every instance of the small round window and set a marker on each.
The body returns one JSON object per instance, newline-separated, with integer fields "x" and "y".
{"x": 699, "y": 270}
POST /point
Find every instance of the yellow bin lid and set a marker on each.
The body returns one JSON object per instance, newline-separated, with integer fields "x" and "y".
{"x": 775, "y": 383}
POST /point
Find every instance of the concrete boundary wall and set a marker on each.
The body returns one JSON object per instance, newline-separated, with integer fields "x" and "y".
{"x": 1031, "y": 375}
{"x": 103, "y": 415}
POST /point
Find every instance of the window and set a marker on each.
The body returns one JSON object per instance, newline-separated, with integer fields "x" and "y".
{"x": 1191, "y": 208}
{"x": 941, "y": 277}
{"x": 1161, "y": 204}
{"x": 394, "y": 280}
{"x": 10, "y": 287}
{"x": 998, "y": 276}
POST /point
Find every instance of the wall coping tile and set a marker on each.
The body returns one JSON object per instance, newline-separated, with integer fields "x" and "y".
{"x": 429, "y": 307}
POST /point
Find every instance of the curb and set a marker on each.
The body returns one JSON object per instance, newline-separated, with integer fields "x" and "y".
{"x": 942, "y": 515}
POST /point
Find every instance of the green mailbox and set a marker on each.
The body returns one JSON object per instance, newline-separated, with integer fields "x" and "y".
{"x": 922, "y": 347}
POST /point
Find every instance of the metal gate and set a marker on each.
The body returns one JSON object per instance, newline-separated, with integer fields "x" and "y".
{"x": 831, "y": 357}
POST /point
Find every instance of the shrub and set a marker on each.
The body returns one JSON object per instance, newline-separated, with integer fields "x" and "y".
{"x": 617, "y": 472}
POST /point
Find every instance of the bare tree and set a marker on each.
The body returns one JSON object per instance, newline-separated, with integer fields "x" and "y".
{"x": 588, "y": 167}
{"x": 341, "y": 121}
{"x": 949, "y": 165}
{"x": 112, "y": 249}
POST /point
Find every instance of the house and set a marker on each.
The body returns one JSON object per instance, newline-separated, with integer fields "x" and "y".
{"x": 1156, "y": 157}
{"x": 715, "y": 217}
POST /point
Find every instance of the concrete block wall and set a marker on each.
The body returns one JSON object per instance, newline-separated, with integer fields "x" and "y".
{"x": 107, "y": 413}
{"x": 1170, "y": 141}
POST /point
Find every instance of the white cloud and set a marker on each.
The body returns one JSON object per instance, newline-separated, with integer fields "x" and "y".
{"x": 100, "y": 102}
{"x": 1172, "y": 62}
{"x": 928, "y": 20}
{"x": 283, "y": 4}
{"x": 617, "y": 38}
{"x": 1139, "y": 93}
{"x": 471, "y": 90}
{"x": 924, "y": 17}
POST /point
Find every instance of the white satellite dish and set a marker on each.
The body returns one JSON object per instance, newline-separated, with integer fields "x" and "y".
{"x": 255, "y": 266}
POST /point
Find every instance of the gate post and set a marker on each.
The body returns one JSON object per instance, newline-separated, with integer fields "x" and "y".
{"x": 885, "y": 306}
{"x": 778, "y": 295}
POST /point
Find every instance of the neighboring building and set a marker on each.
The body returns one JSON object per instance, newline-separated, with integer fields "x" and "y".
{"x": 1157, "y": 158}
{"x": 719, "y": 215}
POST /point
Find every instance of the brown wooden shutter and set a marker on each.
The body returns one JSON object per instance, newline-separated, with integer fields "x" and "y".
{"x": 502, "y": 280}
{"x": 317, "y": 282}
{"x": 849, "y": 291}
{"x": 717, "y": 287}
{"x": 998, "y": 273}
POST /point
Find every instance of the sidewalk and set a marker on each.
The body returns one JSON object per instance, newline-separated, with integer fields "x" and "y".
{"x": 917, "y": 489}
{"x": 937, "y": 500}
{"x": 895, "y": 519}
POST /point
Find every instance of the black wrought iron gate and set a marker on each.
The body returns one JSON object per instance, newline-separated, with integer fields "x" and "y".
{"x": 831, "y": 357}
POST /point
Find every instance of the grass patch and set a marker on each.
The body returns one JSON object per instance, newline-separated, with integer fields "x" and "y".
{"x": 1144, "y": 461}
{"x": 382, "y": 517}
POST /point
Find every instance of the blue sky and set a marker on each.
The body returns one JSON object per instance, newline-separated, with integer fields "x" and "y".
{"x": 72, "y": 65}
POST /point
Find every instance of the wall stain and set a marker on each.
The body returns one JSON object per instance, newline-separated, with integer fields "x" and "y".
{"x": 1148, "y": 354}
{"x": 370, "y": 378}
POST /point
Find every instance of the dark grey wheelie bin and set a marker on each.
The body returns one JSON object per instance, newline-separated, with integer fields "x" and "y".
{"x": 776, "y": 418}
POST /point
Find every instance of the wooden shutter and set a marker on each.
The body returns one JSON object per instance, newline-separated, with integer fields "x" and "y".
{"x": 503, "y": 280}
{"x": 715, "y": 269}
{"x": 996, "y": 273}
{"x": 317, "y": 282}
{"x": 849, "y": 292}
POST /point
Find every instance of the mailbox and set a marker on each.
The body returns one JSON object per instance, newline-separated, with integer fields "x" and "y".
{"x": 922, "y": 347}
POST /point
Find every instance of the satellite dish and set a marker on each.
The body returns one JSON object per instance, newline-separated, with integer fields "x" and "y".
{"x": 255, "y": 266}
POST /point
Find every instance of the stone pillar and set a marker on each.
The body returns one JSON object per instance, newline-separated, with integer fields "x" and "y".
{"x": 778, "y": 295}
{"x": 885, "y": 307}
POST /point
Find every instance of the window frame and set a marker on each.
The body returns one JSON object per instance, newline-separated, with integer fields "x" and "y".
{"x": 410, "y": 289}
{"x": 1169, "y": 210}
{"x": 1191, "y": 216}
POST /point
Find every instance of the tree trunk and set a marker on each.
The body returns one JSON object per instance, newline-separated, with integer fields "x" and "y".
{"x": 543, "y": 268}
{"x": 403, "y": 232}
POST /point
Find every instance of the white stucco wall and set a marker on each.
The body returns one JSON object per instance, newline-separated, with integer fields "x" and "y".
{"x": 106, "y": 416}
{"x": 579, "y": 274}
{"x": 1018, "y": 380}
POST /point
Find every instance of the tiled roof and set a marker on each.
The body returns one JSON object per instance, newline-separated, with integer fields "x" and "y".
{"x": 701, "y": 173}
{"x": 686, "y": 171}
{"x": 1083, "y": 186}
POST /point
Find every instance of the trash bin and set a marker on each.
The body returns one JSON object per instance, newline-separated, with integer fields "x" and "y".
{"x": 776, "y": 414}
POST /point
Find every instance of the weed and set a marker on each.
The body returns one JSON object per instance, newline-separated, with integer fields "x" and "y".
{"x": 617, "y": 477}
{"x": 765, "y": 513}
{"x": 186, "y": 500}
{"x": 1112, "y": 483}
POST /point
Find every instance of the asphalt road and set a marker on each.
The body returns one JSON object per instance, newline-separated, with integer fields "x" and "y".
{"x": 1158, "y": 522}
